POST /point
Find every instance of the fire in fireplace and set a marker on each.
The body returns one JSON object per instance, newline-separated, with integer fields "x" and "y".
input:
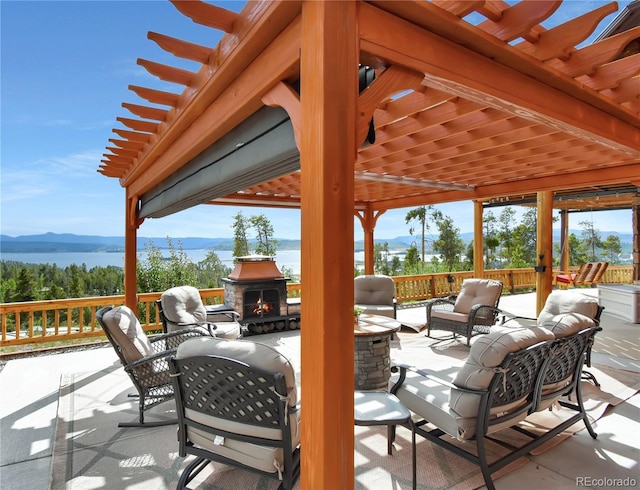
{"x": 261, "y": 303}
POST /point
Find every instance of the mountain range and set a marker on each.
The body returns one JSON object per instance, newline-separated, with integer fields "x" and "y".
{"x": 68, "y": 242}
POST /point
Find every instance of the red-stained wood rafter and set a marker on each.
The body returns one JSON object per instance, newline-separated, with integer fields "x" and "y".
{"x": 139, "y": 125}
{"x": 519, "y": 20}
{"x": 207, "y": 14}
{"x": 146, "y": 112}
{"x": 156, "y": 96}
{"x": 561, "y": 40}
{"x": 180, "y": 48}
{"x": 167, "y": 73}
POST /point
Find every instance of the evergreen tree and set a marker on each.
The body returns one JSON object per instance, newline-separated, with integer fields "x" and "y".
{"x": 491, "y": 240}
{"x": 266, "y": 245}
{"x": 449, "y": 244}
{"x": 505, "y": 232}
{"x": 26, "y": 287}
{"x": 381, "y": 258}
{"x": 240, "y": 240}
{"x": 611, "y": 248}
{"x": 411, "y": 261}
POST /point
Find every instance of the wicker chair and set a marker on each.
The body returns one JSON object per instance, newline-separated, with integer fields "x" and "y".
{"x": 246, "y": 417}
{"x": 144, "y": 359}
{"x": 375, "y": 295}
{"x": 473, "y": 311}
{"x": 181, "y": 307}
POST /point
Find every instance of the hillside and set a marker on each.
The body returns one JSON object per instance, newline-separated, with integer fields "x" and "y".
{"x": 68, "y": 242}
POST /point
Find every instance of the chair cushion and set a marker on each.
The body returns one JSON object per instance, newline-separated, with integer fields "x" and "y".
{"x": 383, "y": 310}
{"x": 374, "y": 290}
{"x": 568, "y": 302}
{"x": 486, "y": 353}
{"x": 477, "y": 292}
{"x": 264, "y": 458}
{"x": 183, "y": 304}
{"x": 566, "y": 324}
{"x": 124, "y": 327}
{"x": 261, "y": 356}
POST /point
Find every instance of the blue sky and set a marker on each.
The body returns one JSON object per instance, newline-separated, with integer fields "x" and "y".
{"x": 65, "y": 69}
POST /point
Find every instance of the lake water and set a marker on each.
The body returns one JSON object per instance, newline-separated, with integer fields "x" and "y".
{"x": 284, "y": 258}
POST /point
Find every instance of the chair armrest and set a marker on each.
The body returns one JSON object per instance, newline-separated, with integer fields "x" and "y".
{"x": 152, "y": 359}
{"x": 484, "y": 310}
{"x": 444, "y": 303}
{"x": 507, "y": 317}
{"x": 404, "y": 368}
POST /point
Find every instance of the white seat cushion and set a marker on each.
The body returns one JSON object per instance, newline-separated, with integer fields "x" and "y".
{"x": 260, "y": 356}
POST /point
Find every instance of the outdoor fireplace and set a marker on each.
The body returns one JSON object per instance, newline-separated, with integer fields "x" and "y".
{"x": 257, "y": 290}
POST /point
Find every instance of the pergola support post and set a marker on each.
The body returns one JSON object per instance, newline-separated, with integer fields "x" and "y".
{"x": 131, "y": 252}
{"x": 564, "y": 240}
{"x": 544, "y": 248}
{"x": 329, "y": 96}
{"x": 368, "y": 219}
{"x": 635, "y": 226}
{"x": 478, "y": 239}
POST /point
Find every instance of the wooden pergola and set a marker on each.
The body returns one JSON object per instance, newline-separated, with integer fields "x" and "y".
{"x": 470, "y": 100}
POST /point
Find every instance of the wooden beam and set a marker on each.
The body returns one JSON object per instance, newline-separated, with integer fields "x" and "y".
{"x": 329, "y": 75}
{"x": 612, "y": 175}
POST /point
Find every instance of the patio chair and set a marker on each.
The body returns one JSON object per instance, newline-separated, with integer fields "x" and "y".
{"x": 375, "y": 295}
{"x": 509, "y": 374}
{"x": 246, "y": 417}
{"x": 144, "y": 359}
{"x": 473, "y": 311}
{"x": 561, "y": 304}
{"x": 181, "y": 307}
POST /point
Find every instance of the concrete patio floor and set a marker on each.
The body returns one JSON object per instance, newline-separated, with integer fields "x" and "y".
{"x": 30, "y": 394}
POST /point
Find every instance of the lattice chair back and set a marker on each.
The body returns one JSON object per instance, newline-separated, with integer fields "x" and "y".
{"x": 237, "y": 404}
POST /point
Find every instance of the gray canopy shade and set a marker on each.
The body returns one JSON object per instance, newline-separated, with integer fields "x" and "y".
{"x": 259, "y": 149}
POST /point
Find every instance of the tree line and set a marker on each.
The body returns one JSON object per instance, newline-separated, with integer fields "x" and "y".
{"x": 507, "y": 244}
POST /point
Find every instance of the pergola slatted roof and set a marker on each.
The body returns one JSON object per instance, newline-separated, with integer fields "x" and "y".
{"x": 443, "y": 133}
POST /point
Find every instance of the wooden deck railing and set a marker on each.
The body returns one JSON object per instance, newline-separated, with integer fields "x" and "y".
{"x": 71, "y": 319}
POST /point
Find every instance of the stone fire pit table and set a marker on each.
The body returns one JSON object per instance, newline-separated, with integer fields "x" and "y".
{"x": 373, "y": 335}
